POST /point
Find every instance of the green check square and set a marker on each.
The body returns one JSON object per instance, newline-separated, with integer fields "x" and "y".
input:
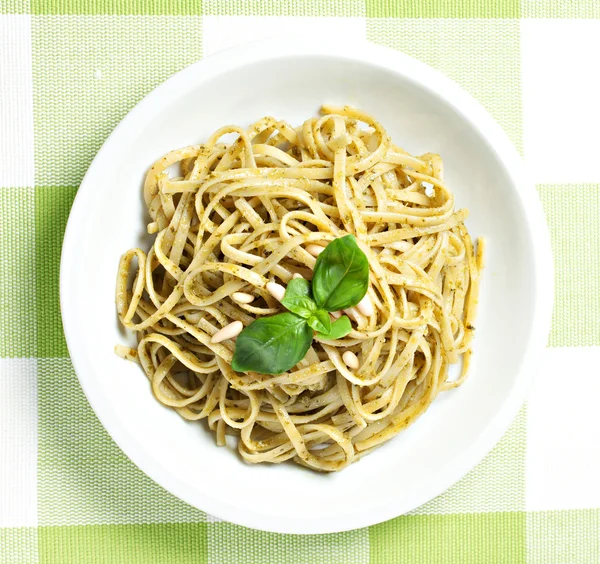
{"x": 117, "y": 7}
{"x": 471, "y": 538}
{"x": 19, "y": 545}
{"x": 229, "y": 543}
{"x": 493, "y": 9}
{"x": 567, "y": 9}
{"x": 570, "y": 536}
{"x": 88, "y": 72}
{"x": 153, "y": 543}
{"x": 52, "y": 206}
{"x": 14, "y": 7}
{"x": 483, "y": 56}
{"x": 17, "y": 291}
{"x": 83, "y": 476}
{"x": 572, "y": 212}
{"x": 297, "y": 8}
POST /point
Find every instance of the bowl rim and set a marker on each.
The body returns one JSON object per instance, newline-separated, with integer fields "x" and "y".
{"x": 477, "y": 117}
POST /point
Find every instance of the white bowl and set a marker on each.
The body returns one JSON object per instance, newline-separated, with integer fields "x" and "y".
{"x": 424, "y": 112}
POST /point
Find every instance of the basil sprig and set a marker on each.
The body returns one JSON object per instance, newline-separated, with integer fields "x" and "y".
{"x": 272, "y": 345}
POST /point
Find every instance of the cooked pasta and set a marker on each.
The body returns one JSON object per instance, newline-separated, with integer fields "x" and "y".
{"x": 231, "y": 217}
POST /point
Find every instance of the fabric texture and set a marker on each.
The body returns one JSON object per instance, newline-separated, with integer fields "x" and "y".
{"x": 70, "y": 70}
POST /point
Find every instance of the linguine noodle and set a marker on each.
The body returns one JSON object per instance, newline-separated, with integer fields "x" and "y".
{"x": 236, "y": 216}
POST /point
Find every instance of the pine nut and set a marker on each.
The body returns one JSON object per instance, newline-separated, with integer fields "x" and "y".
{"x": 228, "y": 332}
{"x": 365, "y": 306}
{"x": 314, "y": 250}
{"x": 242, "y": 297}
{"x": 351, "y": 360}
{"x": 352, "y": 313}
{"x": 297, "y": 275}
{"x": 335, "y": 314}
{"x": 276, "y": 290}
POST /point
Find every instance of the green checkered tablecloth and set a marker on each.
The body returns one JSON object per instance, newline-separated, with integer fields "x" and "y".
{"x": 71, "y": 69}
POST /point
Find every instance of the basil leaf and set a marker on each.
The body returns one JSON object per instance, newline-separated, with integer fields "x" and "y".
{"x": 341, "y": 275}
{"x": 339, "y": 328}
{"x": 320, "y": 321}
{"x": 297, "y": 298}
{"x": 272, "y": 345}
